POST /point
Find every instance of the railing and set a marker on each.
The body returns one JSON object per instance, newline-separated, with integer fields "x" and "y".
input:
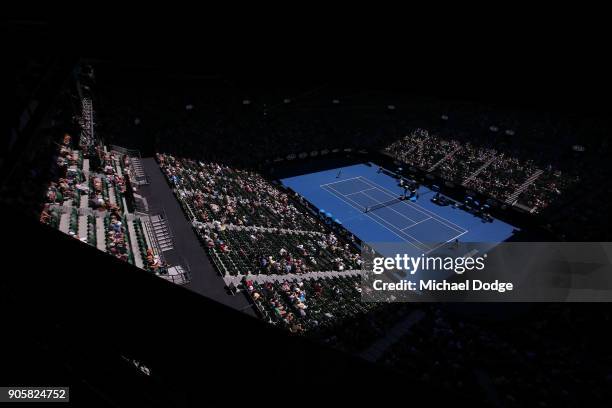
{"x": 161, "y": 213}
{"x": 146, "y": 221}
{"x": 179, "y": 274}
{"x": 185, "y": 206}
{"x": 140, "y": 177}
{"x": 132, "y": 154}
{"x": 124, "y": 150}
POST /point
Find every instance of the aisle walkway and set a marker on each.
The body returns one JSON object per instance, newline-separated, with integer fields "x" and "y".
{"x": 291, "y": 276}
{"x": 204, "y": 278}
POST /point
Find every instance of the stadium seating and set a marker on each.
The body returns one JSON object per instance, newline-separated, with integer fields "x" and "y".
{"x": 232, "y": 196}
{"x": 303, "y": 305}
{"x": 301, "y": 277}
{"x": 246, "y": 252}
{"x": 498, "y": 174}
{"x": 249, "y": 226}
{"x": 88, "y": 203}
{"x": 536, "y": 344}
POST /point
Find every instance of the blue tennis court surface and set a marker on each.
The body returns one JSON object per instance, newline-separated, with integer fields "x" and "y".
{"x": 422, "y": 225}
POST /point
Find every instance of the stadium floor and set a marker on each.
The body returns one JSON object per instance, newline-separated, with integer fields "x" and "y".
{"x": 421, "y": 226}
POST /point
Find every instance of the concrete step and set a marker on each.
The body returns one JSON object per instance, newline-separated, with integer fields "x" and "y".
{"x": 64, "y": 224}
{"x": 479, "y": 170}
{"x": 530, "y": 180}
{"x": 111, "y": 194}
{"x": 82, "y": 227}
{"x": 84, "y": 201}
{"x": 100, "y": 234}
{"x": 448, "y": 156}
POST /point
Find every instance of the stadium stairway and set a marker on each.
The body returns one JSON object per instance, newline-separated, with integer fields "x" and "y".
{"x": 138, "y": 169}
{"x": 100, "y": 235}
{"x": 84, "y": 201}
{"x": 64, "y": 224}
{"x": 86, "y": 167}
{"x": 82, "y": 226}
{"x": 162, "y": 232}
{"x": 448, "y": 156}
{"x": 266, "y": 229}
{"x": 236, "y": 279}
{"x": 118, "y": 168}
{"x": 111, "y": 194}
{"x": 234, "y": 227}
{"x": 514, "y": 196}
{"x": 479, "y": 170}
{"x": 141, "y": 203}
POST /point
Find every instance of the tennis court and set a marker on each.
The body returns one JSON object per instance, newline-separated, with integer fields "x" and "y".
{"x": 420, "y": 227}
{"x": 412, "y": 223}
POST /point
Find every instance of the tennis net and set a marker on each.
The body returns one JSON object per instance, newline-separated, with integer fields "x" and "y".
{"x": 383, "y": 204}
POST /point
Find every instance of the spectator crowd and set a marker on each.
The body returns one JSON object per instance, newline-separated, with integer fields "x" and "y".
{"x": 250, "y": 225}
{"x": 498, "y": 174}
{"x": 86, "y": 196}
{"x": 252, "y": 229}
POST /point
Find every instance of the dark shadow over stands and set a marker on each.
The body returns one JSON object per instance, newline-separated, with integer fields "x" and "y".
{"x": 82, "y": 318}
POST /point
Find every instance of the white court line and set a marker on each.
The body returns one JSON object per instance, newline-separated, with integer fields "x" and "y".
{"x": 444, "y": 243}
{"x": 337, "y": 193}
{"x": 361, "y": 191}
{"x": 422, "y": 210}
{"x": 344, "y": 198}
{"x": 388, "y": 192}
{"x": 417, "y": 207}
{"x": 375, "y": 199}
{"x": 390, "y": 207}
{"x": 426, "y": 219}
{"x": 339, "y": 181}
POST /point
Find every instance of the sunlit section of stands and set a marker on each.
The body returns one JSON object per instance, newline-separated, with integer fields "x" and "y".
{"x": 64, "y": 223}
{"x": 250, "y": 227}
{"x": 237, "y": 279}
{"x": 100, "y": 235}
{"x": 135, "y": 245}
{"x": 215, "y": 192}
{"x": 139, "y": 173}
{"x": 131, "y": 162}
{"x": 177, "y": 274}
{"x": 88, "y": 202}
